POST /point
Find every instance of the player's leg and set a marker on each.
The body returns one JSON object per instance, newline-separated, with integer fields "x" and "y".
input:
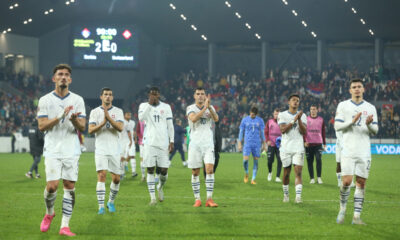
{"x": 53, "y": 174}
{"x": 172, "y": 153}
{"x": 279, "y": 164}
{"x": 163, "y": 164}
{"x": 298, "y": 162}
{"x": 67, "y": 207}
{"x": 270, "y": 157}
{"x": 210, "y": 180}
{"x": 318, "y": 159}
{"x": 69, "y": 175}
{"x": 115, "y": 171}
{"x": 29, "y": 173}
{"x": 36, "y": 168}
{"x": 361, "y": 172}
{"x": 246, "y": 154}
{"x": 347, "y": 168}
{"x": 216, "y": 161}
{"x": 310, "y": 163}
{"x": 338, "y": 168}
{"x": 195, "y": 162}
{"x": 149, "y": 161}
{"x": 101, "y": 162}
{"x": 182, "y": 153}
{"x": 142, "y": 168}
{"x": 157, "y": 176}
{"x": 132, "y": 159}
{"x": 287, "y": 167}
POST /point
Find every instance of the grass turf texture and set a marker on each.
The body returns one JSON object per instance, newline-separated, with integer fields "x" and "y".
{"x": 245, "y": 211}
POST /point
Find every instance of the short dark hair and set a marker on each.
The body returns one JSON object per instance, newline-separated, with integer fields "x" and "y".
{"x": 277, "y": 110}
{"x": 127, "y": 111}
{"x": 62, "y": 66}
{"x": 199, "y": 89}
{"x": 313, "y": 105}
{"x": 294, "y": 95}
{"x": 254, "y": 110}
{"x": 154, "y": 89}
{"x": 356, "y": 80}
{"x": 105, "y": 89}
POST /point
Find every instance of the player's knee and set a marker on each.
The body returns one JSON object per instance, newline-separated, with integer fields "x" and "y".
{"x": 150, "y": 170}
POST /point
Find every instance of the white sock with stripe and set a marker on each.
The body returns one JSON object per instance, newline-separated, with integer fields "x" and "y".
{"x": 101, "y": 193}
{"x": 196, "y": 187}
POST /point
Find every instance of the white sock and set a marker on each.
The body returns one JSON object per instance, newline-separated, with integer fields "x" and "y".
{"x": 101, "y": 193}
{"x": 358, "y": 201}
{"x": 196, "y": 187}
{"x": 299, "y": 188}
{"x": 67, "y": 206}
{"x": 285, "y": 190}
{"x": 163, "y": 180}
{"x": 151, "y": 185}
{"x": 142, "y": 169}
{"x": 133, "y": 165}
{"x": 210, "y": 185}
{"x": 49, "y": 199}
{"x": 344, "y": 196}
{"x": 114, "y": 188}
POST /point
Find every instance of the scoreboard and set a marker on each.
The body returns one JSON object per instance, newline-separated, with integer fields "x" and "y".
{"x": 105, "y": 47}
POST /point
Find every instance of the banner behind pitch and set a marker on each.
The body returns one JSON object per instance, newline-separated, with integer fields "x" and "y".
{"x": 385, "y": 149}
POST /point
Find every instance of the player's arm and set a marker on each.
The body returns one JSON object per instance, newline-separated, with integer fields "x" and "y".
{"x": 171, "y": 132}
{"x": 372, "y": 122}
{"x": 78, "y": 121}
{"x": 116, "y": 124}
{"x": 263, "y": 136}
{"x": 144, "y": 111}
{"x": 130, "y": 137}
{"x": 341, "y": 123}
{"x": 302, "y": 125}
{"x": 214, "y": 114}
{"x": 241, "y": 135}
{"x": 323, "y": 134}
{"x": 266, "y": 134}
{"x": 93, "y": 127}
{"x": 45, "y": 124}
{"x": 194, "y": 117}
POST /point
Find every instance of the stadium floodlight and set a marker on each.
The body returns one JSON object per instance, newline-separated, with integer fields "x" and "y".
{"x": 248, "y": 26}
{"x": 9, "y": 30}
{"x": 183, "y": 17}
{"x": 304, "y": 23}
{"x": 16, "y": 5}
{"x": 4, "y": 32}
{"x": 371, "y": 32}
{"x": 313, "y": 33}
{"x": 30, "y": 20}
{"x": 294, "y": 12}
{"x": 25, "y": 22}
{"x": 51, "y": 10}
{"x": 67, "y": 3}
{"x": 172, "y": 6}
{"x": 238, "y": 15}
{"x": 285, "y": 2}
{"x": 257, "y": 36}
{"x": 204, "y": 37}
{"x": 227, "y": 4}
{"x": 11, "y": 7}
{"x": 194, "y": 27}
{"x": 46, "y": 12}
{"x": 72, "y": 1}
{"x": 362, "y": 21}
{"x": 354, "y": 10}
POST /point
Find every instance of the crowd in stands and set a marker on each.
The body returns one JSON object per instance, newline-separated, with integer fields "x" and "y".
{"x": 233, "y": 95}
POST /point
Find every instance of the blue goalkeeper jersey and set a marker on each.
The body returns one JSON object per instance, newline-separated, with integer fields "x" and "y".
{"x": 252, "y": 130}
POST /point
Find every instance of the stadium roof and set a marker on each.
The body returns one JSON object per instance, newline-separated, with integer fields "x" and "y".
{"x": 272, "y": 20}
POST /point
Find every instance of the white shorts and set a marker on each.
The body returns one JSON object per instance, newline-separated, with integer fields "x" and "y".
{"x": 358, "y": 166}
{"x": 132, "y": 150}
{"x": 338, "y": 153}
{"x": 292, "y": 158}
{"x": 111, "y": 163}
{"x": 61, "y": 168}
{"x": 154, "y": 156}
{"x": 141, "y": 150}
{"x": 198, "y": 155}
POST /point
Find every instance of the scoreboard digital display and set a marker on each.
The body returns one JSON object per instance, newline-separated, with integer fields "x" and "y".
{"x": 105, "y": 47}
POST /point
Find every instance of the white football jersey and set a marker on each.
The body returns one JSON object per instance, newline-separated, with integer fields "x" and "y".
{"x": 107, "y": 138}
{"x": 62, "y": 140}
{"x": 292, "y": 141}
{"x": 159, "y": 131}
{"x": 124, "y": 132}
{"x": 131, "y": 129}
{"x": 356, "y": 141}
{"x": 201, "y": 132}
{"x": 339, "y": 138}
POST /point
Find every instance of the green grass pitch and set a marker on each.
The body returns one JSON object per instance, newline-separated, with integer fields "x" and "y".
{"x": 244, "y": 212}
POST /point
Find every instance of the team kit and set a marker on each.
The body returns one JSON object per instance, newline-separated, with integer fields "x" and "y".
{"x": 289, "y": 135}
